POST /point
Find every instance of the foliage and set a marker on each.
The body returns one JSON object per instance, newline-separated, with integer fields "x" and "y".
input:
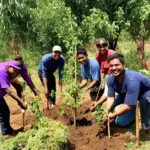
{"x": 96, "y": 25}
{"x": 34, "y": 106}
{"x": 15, "y": 19}
{"x": 97, "y": 115}
{"x": 132, "y": 61}
{"x": 139, "y": 19}
{"x": 72, "y": 99}
{"x": 53, "y": 23}
{"x": 129, "y": 144}
{"x": 46, "y": 134}
{"x": 145, "y": 72}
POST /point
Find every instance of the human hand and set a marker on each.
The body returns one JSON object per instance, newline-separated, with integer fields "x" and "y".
{"x": 93, "y": 105}
{"x": 108, "y": 117}
{"x": 23, "y": 105}
{"x": 102, "y": 86}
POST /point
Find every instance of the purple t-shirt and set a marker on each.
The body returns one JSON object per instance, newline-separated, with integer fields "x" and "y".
{"x": 134, "y": 85}
{"x": 5, "y": 79}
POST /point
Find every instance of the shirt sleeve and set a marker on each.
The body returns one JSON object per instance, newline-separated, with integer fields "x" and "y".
{"x": 133, "y": 89}
{"x": 111, "y": 91}
{"x": 96, "y": 72}
{"x": 25, "y": 75}
{"x": 83, "y": 74}
{"x": 60, "y": 72}
{"x": 44, "y": 67}
{"x": 4, "y": 82}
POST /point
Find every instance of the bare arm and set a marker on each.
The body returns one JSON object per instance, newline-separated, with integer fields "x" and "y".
{"x": 83, "y": 83}
{"x": 14, "y": 96}
{"x": 45, "y": 87}
{"x": 99, "y": 102}
{"x": 33, "y": 88}
{"x": 110, "y": 101}
{"x": 119, "y": 110}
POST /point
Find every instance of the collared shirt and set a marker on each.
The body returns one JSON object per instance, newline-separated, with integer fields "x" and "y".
{"x": 103, "y": 60}
{"x": 50, "y": 65}
{"x": 91, "y": 70}
{"x": 133, "y": 86}
{"x": 5, "y": 79}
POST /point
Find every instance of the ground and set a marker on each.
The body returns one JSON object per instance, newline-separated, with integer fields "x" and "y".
{"x": 87, "y": 135}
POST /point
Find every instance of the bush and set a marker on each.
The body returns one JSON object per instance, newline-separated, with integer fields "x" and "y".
{"x": 46, "y": 135}
{"x": 132, "y": 61}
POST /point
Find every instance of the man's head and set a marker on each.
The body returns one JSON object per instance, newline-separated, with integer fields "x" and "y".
{"x": 102, "y": 45}
{"x": 116, "y": 62}
{"x": 14, "y": 68}
{"x": 82, "y": 56}
{"x": 56, "y": 52}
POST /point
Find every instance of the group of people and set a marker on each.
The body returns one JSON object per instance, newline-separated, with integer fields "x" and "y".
{"x": 130, "y": 86}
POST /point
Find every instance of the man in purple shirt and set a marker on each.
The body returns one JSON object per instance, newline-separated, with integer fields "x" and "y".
{"x": 24, "y": 73}
{"x": 48, "y": 65}
{"x": 130, "y": 86}
{"x": 8, "y": 71}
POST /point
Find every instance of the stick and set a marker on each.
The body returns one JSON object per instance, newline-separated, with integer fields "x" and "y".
{"x": 98, "y": 91}
{"x": 23, "y": 116}
{"x": 108, "y": 128}
{"x": 47, "y": 105}
{"x": 137, "y": 126}
{"x": 75, "y": 114}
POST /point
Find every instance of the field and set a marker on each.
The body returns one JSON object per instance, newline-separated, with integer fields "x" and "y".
{"x": 87, "y": 135}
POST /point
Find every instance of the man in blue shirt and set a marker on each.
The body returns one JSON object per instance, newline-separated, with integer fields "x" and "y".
{"x": 130, "y": 86}
{"x": 90, "y": 69}
{"x": 48, "y": 65}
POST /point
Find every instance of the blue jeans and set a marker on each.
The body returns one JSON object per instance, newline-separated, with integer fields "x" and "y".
{"x": 145, "y": 110}
{"x": 4, "y": 117}
{"x": 127, "y": 118}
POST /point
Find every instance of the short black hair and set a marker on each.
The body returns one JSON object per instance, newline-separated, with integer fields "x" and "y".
{"x": 81, "y": 50}
{"x": 116, "y": 56}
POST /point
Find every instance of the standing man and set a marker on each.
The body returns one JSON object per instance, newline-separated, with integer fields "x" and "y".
{"x": 8, "y": 71}
{"x": 130, "y": 86}
{"x": 90, "y": 69}
{"x": 102, "y": 57}
{"x": 48, "y": 65}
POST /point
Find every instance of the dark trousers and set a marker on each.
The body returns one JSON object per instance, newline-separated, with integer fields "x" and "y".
{"x": 94, "y": 92}
{"x": 51, "y": 86}
{"x": 4, "y": 117}
{"x": 145, "y": 110}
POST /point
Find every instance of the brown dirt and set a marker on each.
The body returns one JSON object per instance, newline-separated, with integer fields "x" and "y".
{"x": 87, "y": 136}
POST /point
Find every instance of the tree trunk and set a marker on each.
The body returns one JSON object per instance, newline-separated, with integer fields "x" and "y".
{"x": 140, "y": 50}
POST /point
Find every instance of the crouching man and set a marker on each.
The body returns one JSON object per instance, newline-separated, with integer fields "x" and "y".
{"x": 90, "y": 70}
{"x": 130, "y": 86}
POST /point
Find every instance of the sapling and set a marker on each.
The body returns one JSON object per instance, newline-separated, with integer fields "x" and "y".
{"x": 97, "y": 115}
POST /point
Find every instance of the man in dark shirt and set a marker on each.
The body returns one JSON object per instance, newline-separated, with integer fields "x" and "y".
{"x": 48, "y": 65}
{"x": 130, "y": 86}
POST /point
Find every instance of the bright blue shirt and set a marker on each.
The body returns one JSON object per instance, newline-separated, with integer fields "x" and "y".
{"x": 91, "y": 70}
{"x": 50, "y": 65}
{"x": 134, "y": 85}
